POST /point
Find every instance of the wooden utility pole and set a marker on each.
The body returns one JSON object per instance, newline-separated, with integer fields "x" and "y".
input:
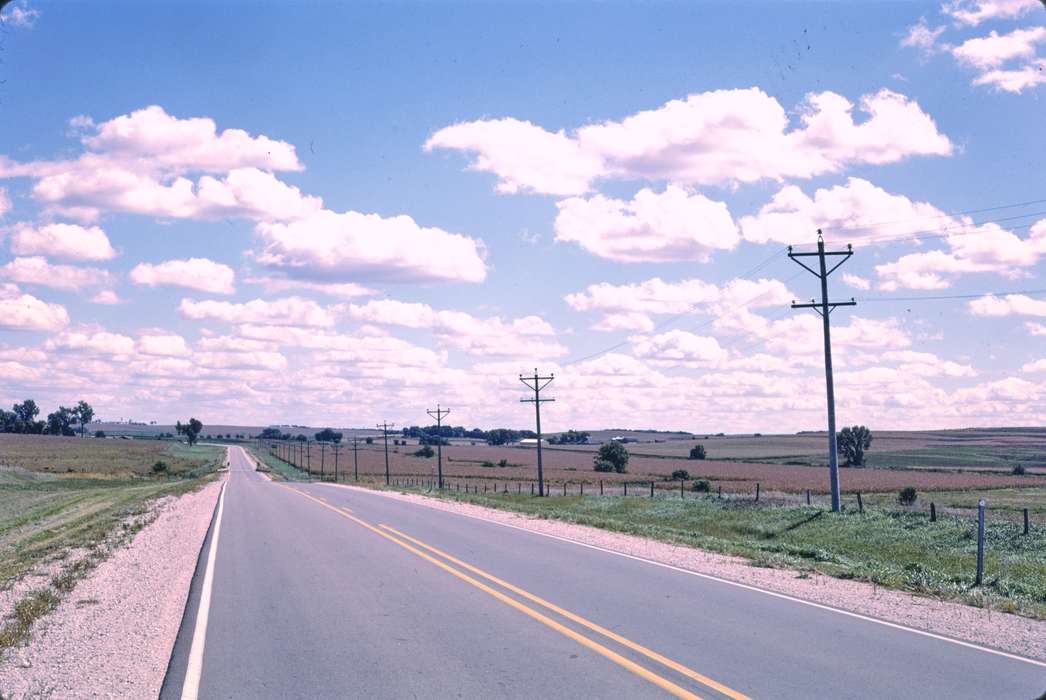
{"x": 537, "y": 383}
{"x": 825, "y": 307}
{"x": 438, "y": 414}
{"x": 385, "y": 431}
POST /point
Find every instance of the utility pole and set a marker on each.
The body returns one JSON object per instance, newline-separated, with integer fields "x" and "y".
{"x": 323, "y": 450}
{"x": 438, "y": 414}
{"x": 385, "y": 431}
{"x": 825, "y": 307}
{"x": 537, "y": 383}
{"x": 355, "y": 461}
{"x": 335, "y": 447}
{"x": 308, "y": 457}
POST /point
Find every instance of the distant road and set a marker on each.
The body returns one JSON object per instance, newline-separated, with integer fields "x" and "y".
{"x": 318, "y": 591}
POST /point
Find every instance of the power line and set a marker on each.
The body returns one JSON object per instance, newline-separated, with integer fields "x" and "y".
{"x": 944, "y": 297}
{"x": 943, "y": 215}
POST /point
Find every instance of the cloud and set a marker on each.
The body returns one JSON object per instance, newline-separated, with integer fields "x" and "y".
{"x": 139, "y": 162}
{"x": 195, "y": 273}
{"x": 1015, "y": 80}
{"x": 92, "y": 341}
{"x": 721, "y": 137}
{"x": 478, "y": 336}
{"x": 679, "y": 348}
{"x": 5, "y": 202}
{"x": 923, "y": 37}
{"x": 1036, "y": 329}
{"x": 855, "y": 211}
{"x": 667, "y": 227}
{"x": 272, "y": 361}
{"x": 973, "y": 12}
{"x": 36, "y": 270}
{"x": 290, "y": 311}
{"x": 1036, "y": 366}
{"x": 984, "y": 248}
{"x": 20, "y": 311}
{"x": 62, "y": 241}
{"x": 19, "y": 14}
{"x": 106, "y": 297}
{"x": 340, "y": 290}
{"x": 164, "y": 345}
{"x": 1010, "y": 305}
{"x": 856, "y": 281}
{"x": 993, "y": 50}
{"x": 626, "y": 321}
{"x": 329, "y": 246}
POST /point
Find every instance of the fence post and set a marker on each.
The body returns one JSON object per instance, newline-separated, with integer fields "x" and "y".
{"x": 757, "y": 492}
{"x": 980, "y": 542}
{"x": 808, "y": 497}
{"x": 860, "y": 503}
{"x": 933, "y": 512}
{"x": 531, "y": 488}
{"x": 600, "y": 487}
{"x": 1025, "y": 521}
{"x": 719, "y": 494}
{"x": 582, "y": 488}
{"x": 681, "y": 488}
{"x": 651, "y": 489}
{"x": 564, "y": 488}
{"x": 626, "y": 488}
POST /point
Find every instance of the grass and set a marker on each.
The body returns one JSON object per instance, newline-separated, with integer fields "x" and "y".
{"x": 27, "y": 611}
{"x": 275, "y": 466}
{"x": 891, "y": 548}
{"x": 75, "y": 518}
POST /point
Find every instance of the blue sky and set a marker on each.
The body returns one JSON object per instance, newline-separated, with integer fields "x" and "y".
{"x": 508, "y": 134}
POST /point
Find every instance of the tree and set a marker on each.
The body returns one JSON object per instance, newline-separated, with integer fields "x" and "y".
{"x": 99, "y": 433}
{"x": 612, "y": 456}
{"x": 60, "y": 422}
{"x": 571, "y": 437}
{"x": 425, "y": 451}
{"x": 190, "y": 430}
{"x": 852, "y": 442}
{"x": 270, "y": 434}
{"x": 697, "y": 452}
{"x": 328, "y": 435}
{"x": 84, "y": 415}
{"x": 25, "y": 414}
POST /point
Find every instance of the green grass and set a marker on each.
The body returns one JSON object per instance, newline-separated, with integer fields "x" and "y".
{"x": 276, "y": 466}
{"x": 891, "y": 548}
{"x": 1009, "y": 500}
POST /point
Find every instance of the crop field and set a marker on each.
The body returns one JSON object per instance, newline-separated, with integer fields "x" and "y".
{"x": 574, "y": 466}
{"x": 98, "y": 458}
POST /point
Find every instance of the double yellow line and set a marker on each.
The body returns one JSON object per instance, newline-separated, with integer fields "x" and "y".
{"x": 420, "y": 549}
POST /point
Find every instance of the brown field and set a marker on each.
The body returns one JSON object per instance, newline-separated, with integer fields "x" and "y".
{"x": 575, "y": 466}
{"x": 96, "y": 457}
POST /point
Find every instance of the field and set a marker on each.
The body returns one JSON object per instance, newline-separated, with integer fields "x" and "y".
{"x": 574, "y": 465}
{"x": 65, "y": 501}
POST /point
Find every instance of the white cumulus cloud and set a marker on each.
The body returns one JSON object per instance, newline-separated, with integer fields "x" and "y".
{"x": 62, "y": 241}
{"x": 195, "y": 273}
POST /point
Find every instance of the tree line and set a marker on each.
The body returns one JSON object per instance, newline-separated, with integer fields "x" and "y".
{"x": 22, "y": 418}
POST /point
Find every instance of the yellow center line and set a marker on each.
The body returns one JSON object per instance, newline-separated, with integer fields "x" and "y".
{"x": 665, "y": 661}
{"x": 635, "y": 668}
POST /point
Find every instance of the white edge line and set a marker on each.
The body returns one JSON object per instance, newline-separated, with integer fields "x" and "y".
{"x": 711, "y": 577}
{"x": 194, "y": 668}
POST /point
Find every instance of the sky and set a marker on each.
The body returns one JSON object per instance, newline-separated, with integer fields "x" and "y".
{"x": 345, "y": 213}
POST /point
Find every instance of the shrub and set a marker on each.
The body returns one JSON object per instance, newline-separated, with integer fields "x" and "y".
{"x": 702, "y": 485}
{"x": 680, "y": 475}
{"x": 488, "y": 464}
{"x": 425, "y": 451}
{"x": 1018, "y": 470}
{"x": 697, "y": 452}
{"x": 369, "y": 441}
{"x": 160, "y": 468}
{"x": 613, "y": 453}
{"x": 99, "y": 433}
{"x": 907, "y": 496}
{"x": 502, "y": 462}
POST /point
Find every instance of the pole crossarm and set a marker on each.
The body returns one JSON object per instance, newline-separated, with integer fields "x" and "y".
{"x": 438, "y": 414}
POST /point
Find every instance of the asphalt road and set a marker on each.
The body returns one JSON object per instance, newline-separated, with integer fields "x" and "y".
{"x": 320, "y": 591}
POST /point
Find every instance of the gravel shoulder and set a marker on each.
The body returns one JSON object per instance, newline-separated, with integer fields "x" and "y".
{"x": 1002, "y": 631}
{"x": 112, "y": 636}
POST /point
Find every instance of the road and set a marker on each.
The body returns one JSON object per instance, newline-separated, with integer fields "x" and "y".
{"x": 321, "y": 591}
